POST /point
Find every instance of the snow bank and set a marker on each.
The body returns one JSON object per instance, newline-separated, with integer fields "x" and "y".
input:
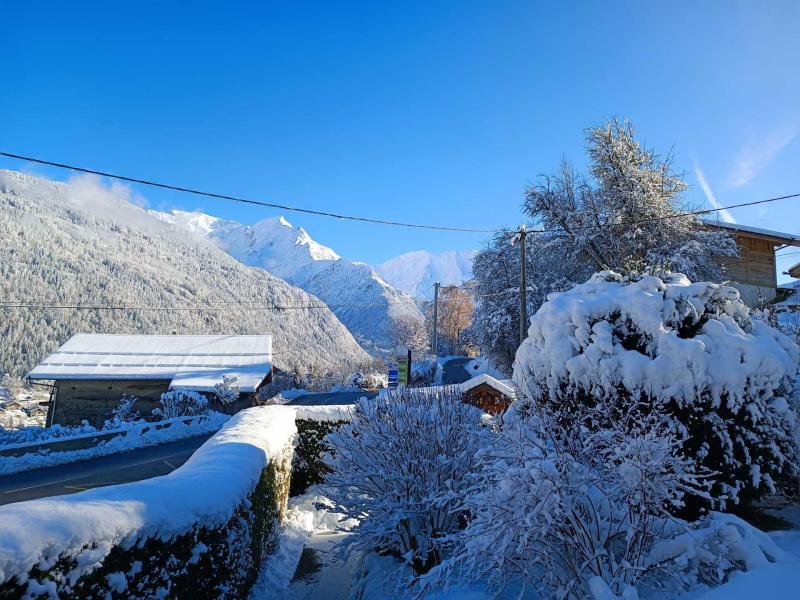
{"x": 76, "y": 533}
{"x": 482, "y": 366}
{"x": 139, "y": 434}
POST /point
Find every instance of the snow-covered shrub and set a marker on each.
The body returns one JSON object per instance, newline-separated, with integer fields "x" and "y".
{"x": 227, "y": 392}
{"x": 689, "y": 349}
{"x": 124, "y": 412}
{"x": 401, "y": 466}
{"x": 367, "y": 381}
{"x": 180, "y": 403}
{"x": 570, "y": 509}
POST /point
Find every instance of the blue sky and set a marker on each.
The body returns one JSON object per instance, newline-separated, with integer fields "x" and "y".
{"x": 432, "y": 112}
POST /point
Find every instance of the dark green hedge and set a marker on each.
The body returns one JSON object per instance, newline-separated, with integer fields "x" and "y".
{"x": 308, "y": 467}
{"x": 202, "y": 564}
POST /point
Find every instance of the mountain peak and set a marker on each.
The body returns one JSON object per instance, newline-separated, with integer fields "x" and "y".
{"x": 415, "y": 272}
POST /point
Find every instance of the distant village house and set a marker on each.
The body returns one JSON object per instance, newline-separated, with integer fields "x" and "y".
{"x": 91, "y": 372}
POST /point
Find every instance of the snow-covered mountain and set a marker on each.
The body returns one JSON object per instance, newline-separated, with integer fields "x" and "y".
{"x": 82, "y": 243}
{"x": 367, "y": 305}
{"x": 415, "y": 272}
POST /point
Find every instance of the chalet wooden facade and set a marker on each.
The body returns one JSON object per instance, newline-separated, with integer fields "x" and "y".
{"x": 491, "y": 395}
{"x": 90, "y": 373}
{"x": 754, "y": 271}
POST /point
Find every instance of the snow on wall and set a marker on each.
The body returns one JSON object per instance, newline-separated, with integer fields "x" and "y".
{"x": 205, "y": 491}
{"x": 325, "y": 412}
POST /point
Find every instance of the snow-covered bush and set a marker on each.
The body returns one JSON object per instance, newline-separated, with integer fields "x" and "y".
{"x": 124, "y": 412}
{"x": 180, "y": 403}
{"x": 367, "y": 381}
{"x": 227, "y": 392}
{"x": 568, "y": 509}
{"x": 689, "y": 349}
{"x": 401, "y": 466}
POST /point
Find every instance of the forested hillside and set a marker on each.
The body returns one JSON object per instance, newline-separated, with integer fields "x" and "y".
{"x": 82, "y": 243}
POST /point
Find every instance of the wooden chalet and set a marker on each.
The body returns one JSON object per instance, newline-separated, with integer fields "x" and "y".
{"x": 491, "y": 395}
{"x": 91, "y": 372}
{"x": 754, "y": 271}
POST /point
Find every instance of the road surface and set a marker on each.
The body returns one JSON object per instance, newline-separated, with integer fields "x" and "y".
{"x": 453, "y": 371}
{"x": 124, "y": 467}
{"x": 324, "y": 398}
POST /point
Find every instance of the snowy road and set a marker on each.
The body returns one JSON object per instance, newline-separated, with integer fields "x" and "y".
{"x": 453, "y": 371}
{"x": 332, "y": 398}
{"x": 106, "y": 470}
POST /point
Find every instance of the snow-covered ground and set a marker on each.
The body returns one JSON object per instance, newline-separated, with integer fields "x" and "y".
{"x": 306, "y": 564}
{"x": 779, "y": 580}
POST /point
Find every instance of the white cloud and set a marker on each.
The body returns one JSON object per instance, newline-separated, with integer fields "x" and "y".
{"x": 755, "y": 156}
{"x": 724, "y": 214}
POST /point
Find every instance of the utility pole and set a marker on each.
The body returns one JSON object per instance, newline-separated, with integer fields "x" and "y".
{"x": 523, "y": 286}
{"x": 435, "y": 340}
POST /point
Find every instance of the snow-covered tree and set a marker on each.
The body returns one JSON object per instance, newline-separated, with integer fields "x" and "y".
{"x": 572, "y": 510}
{"x": 400, "y": 467}
{"x": 688, "y": 349}
{"x": 181, "y": 403}
{"x": 618, "y": 217}
{"x": 226, "y": 391}
{"x": 408, "y": 331}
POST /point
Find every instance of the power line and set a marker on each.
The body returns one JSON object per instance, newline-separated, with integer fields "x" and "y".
{"x": 65, "y": 306}
{"x": 177, "y": 188}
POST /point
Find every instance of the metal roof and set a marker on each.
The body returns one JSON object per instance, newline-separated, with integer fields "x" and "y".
{"x": 196, "y": 362}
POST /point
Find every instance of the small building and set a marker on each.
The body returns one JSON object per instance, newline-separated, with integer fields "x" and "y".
{"x": 794, "y": 271}
{"x": 491, "y": 395}
{"x": 754, "y": 271}
{"x": 91, "y": 372}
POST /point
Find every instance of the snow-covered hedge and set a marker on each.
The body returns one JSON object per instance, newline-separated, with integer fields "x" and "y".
{"x": 314, "y": 424}
{"x": 690, "y": 348}
{"x": 202, "y": 531}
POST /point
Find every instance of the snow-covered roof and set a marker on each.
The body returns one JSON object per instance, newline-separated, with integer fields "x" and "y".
{"x": 786, "y": 238}
{"x": 196, "y": 362}
{"x": 504, "y": 386}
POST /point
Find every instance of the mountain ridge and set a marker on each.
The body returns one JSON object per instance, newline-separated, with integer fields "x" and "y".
{"x": 362, "y": 300}
{"x": 83, "y": 243}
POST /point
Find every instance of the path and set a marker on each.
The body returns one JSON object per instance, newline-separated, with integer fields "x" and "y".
{"x": 124, "y": 467}
{"x": 453, "y": 371}
{"x": 321, "y": 573}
